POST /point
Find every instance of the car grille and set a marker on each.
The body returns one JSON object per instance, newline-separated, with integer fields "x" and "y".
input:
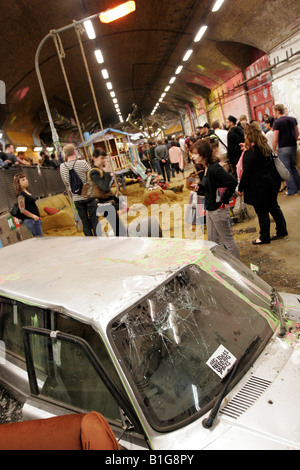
{"x": 246, "y": 397}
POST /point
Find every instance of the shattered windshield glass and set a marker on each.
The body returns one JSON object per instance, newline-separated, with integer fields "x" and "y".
{"x": 165, "y": 341}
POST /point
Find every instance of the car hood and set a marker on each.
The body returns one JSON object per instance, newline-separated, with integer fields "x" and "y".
{"x": 260, "y": 412}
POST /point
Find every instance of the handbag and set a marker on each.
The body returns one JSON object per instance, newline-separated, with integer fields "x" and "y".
{"x": 91, "y": 190}
{"x": 281, "y": 168}
{"x": 15, "y": 212}
{"x": 193, "y": 179}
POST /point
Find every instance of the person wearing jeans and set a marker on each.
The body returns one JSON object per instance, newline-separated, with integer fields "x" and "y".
{"x": 288, "y": 157}
{"x": 86, "y": 208}
{"x": 285, "y": 135}
{"x": 27, "y": 205}
{"x": 87, "y": 211}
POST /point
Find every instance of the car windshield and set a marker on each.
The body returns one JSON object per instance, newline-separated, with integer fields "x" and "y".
{"x": 165, "y": 342}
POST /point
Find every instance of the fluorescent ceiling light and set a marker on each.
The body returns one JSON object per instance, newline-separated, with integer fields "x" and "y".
{"x": 200, "y": 33}
{"x": 38, "y": 149}
{"x": 115, "y": 13}
{"x": 115, "y": 100}
{"x": 187, "y": 55}
{"x": 112, "y": 94}
{"x": 99, "y": 56}
{"x": 89, "y": 29}
{"x": 163, "y": 95}
{"x": 172, "y": 80}
{"x": 217, "y": 5}
{"x": 21, "y": 149}
{"x": 105, "y": 74}
{"x": 167, "y": 88}
{"x": 109, "y": 85}
{"x": 178, "y": 70}
{"x": 160, "y": 100}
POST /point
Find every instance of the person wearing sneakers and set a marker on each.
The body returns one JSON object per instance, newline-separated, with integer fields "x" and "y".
{"x": 260, "y": 183}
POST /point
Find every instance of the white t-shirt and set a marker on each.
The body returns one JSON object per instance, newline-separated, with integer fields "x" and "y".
{"x": 269, "y": 136}
{"x": 222, "y": 134}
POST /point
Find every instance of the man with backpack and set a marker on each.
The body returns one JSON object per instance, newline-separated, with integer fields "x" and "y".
{"x": 74, "y": 174}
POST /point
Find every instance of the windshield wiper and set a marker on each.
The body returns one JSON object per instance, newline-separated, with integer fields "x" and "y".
{"x": 274, "y": 302}
{"x": 208, "y": 422}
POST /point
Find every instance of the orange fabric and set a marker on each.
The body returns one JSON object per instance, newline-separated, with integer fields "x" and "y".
{"x": 96, "y": 433}
{"x": 59, "y": 433}
{"x": 68, "y": 432}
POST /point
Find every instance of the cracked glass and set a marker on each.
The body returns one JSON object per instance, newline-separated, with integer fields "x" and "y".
{"x": 164, "y": 342}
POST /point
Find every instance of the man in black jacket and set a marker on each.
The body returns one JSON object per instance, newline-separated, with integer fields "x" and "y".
{"x": 234, "y": 138}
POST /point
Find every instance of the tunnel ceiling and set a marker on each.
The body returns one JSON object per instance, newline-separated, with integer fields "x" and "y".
{"x": 141, "y": 53}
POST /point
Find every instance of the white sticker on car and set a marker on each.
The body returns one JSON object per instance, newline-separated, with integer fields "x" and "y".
{"x": 221, "y": 361}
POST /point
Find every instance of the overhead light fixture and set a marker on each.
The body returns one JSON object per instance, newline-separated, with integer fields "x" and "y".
{"x": 115, "y": 100}
{"x": 200, "y": 33}
{"x": 160, "y": 100}
{"x": 109, "y": 85}
{"x": 187, "y": 55}
{"x": 38, "y": 149}
{"x": 89, "y": 29}
{"x": 178, "y": 70}
{"x": 105, "y": 74}
{"x": 163, "y": 95}
{"x": 112, "y": 94}
{"x": 21, "y": 149}
{"x": 217, "y": 5}
{"x": 167, "y": 88}
{"x": 99, "y": 56}
{"x": 115, "y": 13}
{"x": 172, "y": 80}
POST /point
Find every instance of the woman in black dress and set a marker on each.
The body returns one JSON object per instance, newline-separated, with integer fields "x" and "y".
{"x": 260, "y": 184}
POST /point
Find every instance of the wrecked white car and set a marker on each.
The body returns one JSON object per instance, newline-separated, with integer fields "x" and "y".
{"x": 176, "y": 343}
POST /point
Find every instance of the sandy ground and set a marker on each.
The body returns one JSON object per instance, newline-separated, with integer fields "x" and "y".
{"x": 278, "y": 263}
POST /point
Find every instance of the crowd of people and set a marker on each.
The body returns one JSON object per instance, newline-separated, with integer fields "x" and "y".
{"x": 238, "y": 158}
{"x": 8, "y": 158}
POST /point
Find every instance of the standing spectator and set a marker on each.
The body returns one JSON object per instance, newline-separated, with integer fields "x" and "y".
{"x": 161, "y": 153}
{"x": 234, "y": 138}
{"x": 222, "y": 136}
{"x": 176, "y": 159}
{"x": 243, "y": 121}
{"x": 285, "y": 135}
{"x": 218, "y": 187}
{"x": 27, "y": 205}
{"x": 54, "y": 160}
{"x": 206, "y": 130}
{"x": 9, "y": 151}
{"x": 269, "y": 134}
{"x": 4, "y": 163}
{"x": 260, "y": 184}
{"x": 108, "y": 204}
{"x": 153, "y": 159}
{"x": 22, "y": 159}
{"x": 86, "y": 208}
{"x": 263, "y": 123}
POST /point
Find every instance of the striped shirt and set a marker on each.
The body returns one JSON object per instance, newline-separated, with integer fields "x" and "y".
{"x": 81, "y": 167}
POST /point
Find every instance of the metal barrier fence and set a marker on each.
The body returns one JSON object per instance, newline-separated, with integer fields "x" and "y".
{"x": 43, "y": 182}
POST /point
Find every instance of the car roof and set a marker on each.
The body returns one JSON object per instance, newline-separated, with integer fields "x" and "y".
{"x": 93, "y": 279}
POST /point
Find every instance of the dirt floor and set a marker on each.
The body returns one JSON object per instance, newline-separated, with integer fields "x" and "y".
{"x": 278, "y": 263}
